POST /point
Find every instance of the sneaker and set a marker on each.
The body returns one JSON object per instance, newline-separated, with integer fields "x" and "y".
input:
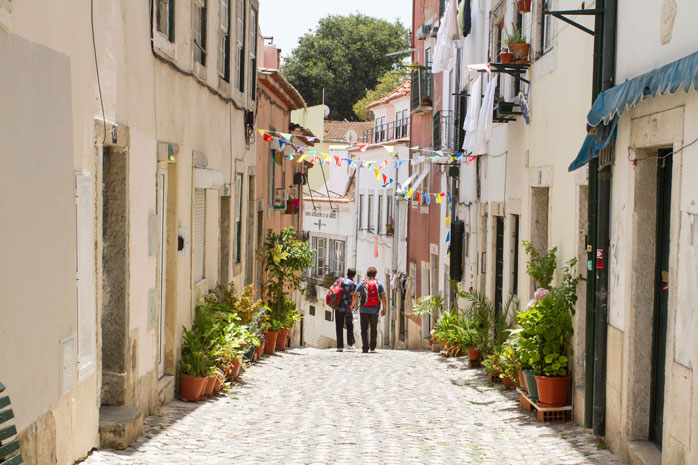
{"x": 351, "y": 347}
{"x": 373, "y": 351}
{"x": 364, "y": 351}
{"x": 340, "y": 350}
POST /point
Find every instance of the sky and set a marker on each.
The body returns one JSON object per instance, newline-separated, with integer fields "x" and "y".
{"x": 288, "y": 20}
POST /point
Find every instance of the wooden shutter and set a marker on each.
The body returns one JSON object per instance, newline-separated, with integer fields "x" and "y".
{"x": 199, "y": 233}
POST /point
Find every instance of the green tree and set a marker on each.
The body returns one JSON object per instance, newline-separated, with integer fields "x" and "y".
{"x": 345, "y": 55}
{"x": 386, "y": 84}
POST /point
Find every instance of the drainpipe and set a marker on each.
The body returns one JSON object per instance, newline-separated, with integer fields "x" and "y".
{"x": 603, "y": 239}
{"x": 590, "y": 320}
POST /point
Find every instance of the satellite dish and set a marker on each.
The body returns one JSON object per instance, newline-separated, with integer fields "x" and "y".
{"x": 351, "y": 136}
{"x": 326, "y": 110}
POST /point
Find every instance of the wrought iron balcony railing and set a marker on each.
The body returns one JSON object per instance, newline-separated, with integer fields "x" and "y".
{"x": 443, "y": 131}
{"x": 385, "y": 132}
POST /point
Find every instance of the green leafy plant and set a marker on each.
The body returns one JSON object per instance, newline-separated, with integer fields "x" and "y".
{"x": 516, "y": 36}
{"x": 328, "y": 280}
{"x": 541, "y": 267}
{"x": 195, "y": 360}
{"x": 282, "y": 258}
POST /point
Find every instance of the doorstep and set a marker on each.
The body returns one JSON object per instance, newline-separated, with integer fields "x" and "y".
{"x": 166, "y": 389}
{"x": 119, "y": 426}
{"x": 643, "y": 453}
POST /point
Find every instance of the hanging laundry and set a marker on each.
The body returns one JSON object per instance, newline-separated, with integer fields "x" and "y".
{"x": 464, "y": 19}
{"x": 448, "y": 31}
{"x": 484, "y": 124}
{"x": 471, "y": 115}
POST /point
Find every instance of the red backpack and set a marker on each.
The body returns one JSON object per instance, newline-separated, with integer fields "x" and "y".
{"x": 371, "y": 289}
{"x": 334, "y": 297}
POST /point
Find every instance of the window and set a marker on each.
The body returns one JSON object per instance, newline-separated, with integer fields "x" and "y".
{"x": 336, "y": 259}
{"x": 238, "y": 221}
{"x": 241, "y": 20}
{"x": 361, "y": 212}
{"x": 224, "y": 42}
{"x": 198, "y": 24}
{"x": 427, "y": 57}
{"x": 381, "y": 226}
{"x": 328, "y": 315}
{"x": 389, "y": 215}
{"x": 320, "y": 257}
{"x": 546, "y": 29}
{"x": 311, "y": 310}
{"x": 199, "y": 233}
{"x": 369, "y": 211}
{"x": 165, "y": 18}
{"x": 380, "y": 130}
{"x": 401, "y": 121}
{"x": 253, "y": 53}
{"x": 272, "y": 177}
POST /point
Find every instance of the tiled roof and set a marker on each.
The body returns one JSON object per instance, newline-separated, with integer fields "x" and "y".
{"x": 337, "y": 130}
{"x": 399, "y": 92}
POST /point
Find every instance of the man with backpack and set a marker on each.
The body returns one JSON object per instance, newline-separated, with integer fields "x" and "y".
{"x": 340, "y": 298}
{"x": 372, "y": 294}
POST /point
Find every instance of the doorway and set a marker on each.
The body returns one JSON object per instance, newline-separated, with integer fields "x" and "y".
{"x": 498, "y": 269}
{"x": 161, "y": 273}
{"x": 661, "y": 295}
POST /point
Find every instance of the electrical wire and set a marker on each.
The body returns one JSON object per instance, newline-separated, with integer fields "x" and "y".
{"x": 658, "y": 157}
{"x": 99, "y": 85}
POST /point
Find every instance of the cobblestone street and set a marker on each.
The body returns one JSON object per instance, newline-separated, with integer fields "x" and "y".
{"x": 310, "y": 406}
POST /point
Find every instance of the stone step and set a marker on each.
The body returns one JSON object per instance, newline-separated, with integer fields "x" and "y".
{"x": 119, "y": 426}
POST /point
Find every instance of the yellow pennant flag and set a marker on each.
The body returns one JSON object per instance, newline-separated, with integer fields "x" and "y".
{"x": 378, "y": 173}
{"x": 438, "y": 198}
{"x": 327, "y": 157}
{"x": 261, "y": 132}
{"x": 389, "y": 148}
{"x": 409, "y": 193}
{"x": 447, "y": 219}
{"x": 301, "y": 158}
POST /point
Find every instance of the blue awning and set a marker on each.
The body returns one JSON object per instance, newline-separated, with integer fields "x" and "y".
{"x": 594, "y": 143}
{"x": 610, "y": 104}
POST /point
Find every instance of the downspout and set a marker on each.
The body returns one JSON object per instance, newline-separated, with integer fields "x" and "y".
{"x": 590, "y": 319}
{"x": 603, "y": 235}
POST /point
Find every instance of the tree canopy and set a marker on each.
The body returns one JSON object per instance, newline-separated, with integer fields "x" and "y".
{"x": 345, "y": 55}
{"x": 386, "y": 84}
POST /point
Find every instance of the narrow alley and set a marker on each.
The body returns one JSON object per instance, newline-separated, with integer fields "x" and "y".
{"x": 311, "y": 406}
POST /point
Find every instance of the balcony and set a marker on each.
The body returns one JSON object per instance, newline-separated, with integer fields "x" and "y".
{"x": 422, "y": 89}
{"x": 443, "y": 131}
{"x": 385, "y": 132}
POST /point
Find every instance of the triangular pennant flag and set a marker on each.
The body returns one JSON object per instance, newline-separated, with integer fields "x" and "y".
{"x": 390, "y": 149}
{"x": 267, "y": 137}
{"x": 449, "y": 197}
{"x": 438, "y": 198}
{"x": 312, "y": 152}
{"x": 447, "y": 219}
{"x": 261, "y": 132}
{"x": 470, "y": 159}
{"x": 448, "y": 236}
{"x": 291, "y": 156}
{"x": 276, "y": 155}
{"x": 286, "y": 136}
{"x": 426, "y": 198}
{"x": 383, "y": 164}
{"x": 399, "y": 162}
{"x": 298, "y": 148}
{"x": 367, "y": 164}
{"x": 327, "y": 157}
{"x": 385, "y": 180}
{"x": 378, "y": 173}
{"x": 409, "y": 193}
{"x": 416, "y": 147}
{"x": 419, "y": 197}
{"x": 337, "y": 160}
{"x": 315, "y": 159}
{"x": 302, "y": 157}
{"x": 362, "y": 147}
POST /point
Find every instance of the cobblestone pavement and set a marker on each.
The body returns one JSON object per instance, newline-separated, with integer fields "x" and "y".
{"x": 311, "y": 406}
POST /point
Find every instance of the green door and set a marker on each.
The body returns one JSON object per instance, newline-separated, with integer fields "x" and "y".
{"x": 661, "y": 296}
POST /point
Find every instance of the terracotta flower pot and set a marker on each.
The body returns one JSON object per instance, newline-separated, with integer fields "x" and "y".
{"x": 506, "y": 57}
{"x": 208, "y": 388}
{"x": 270, "y": 341}
{"x": 282, "y": 338}
{"x": 236, "y": 368}
{"x": 259, "y": 350}
{"x": 508, "y": 382}
{"x": 191, "y": 387}
{"x": 531, "y": 385}
{"x": 217, "y": 385}
{"x": 474, "y": 354}
{"x": 520, "y": 50}
{"x": 552, "y": 390}
{"x": 524, "y": 6}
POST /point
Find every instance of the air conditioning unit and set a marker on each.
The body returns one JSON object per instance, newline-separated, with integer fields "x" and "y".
{"x": 424, "y": 31}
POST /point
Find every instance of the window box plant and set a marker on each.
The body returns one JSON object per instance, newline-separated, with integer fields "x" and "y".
{"x": 505, "y": 56}
{"x": 516, "y": 43}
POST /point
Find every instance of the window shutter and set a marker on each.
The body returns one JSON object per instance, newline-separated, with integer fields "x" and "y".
{"x": 199, "y": 232}
{"x": 85, "y": 276}
{"x": 459, "y": 119}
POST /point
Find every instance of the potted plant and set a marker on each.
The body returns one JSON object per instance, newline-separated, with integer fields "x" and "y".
{"x": 390, "y": 227}
{"x": 271, "y": 336}
{"x": 516, "y": 43}
{"x": 549, "y": 327}
{"x": 193, "y": 367}
{"x": 505, "y": 56}
{"x": 524, "y": 6}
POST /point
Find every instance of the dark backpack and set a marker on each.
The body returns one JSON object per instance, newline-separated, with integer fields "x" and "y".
{"x": 334, "y": 297}
{"x": 371, "y": 290}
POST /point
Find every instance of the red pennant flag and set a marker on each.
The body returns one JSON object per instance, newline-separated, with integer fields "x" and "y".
{"x": 362, "y": 147}
{"x": 419, "y": 197}
{"x": 471, "y": 159}
{"x": 267, "y": 137}
{"x": 337, "y": 160}
{"x": 385, "y": 179}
